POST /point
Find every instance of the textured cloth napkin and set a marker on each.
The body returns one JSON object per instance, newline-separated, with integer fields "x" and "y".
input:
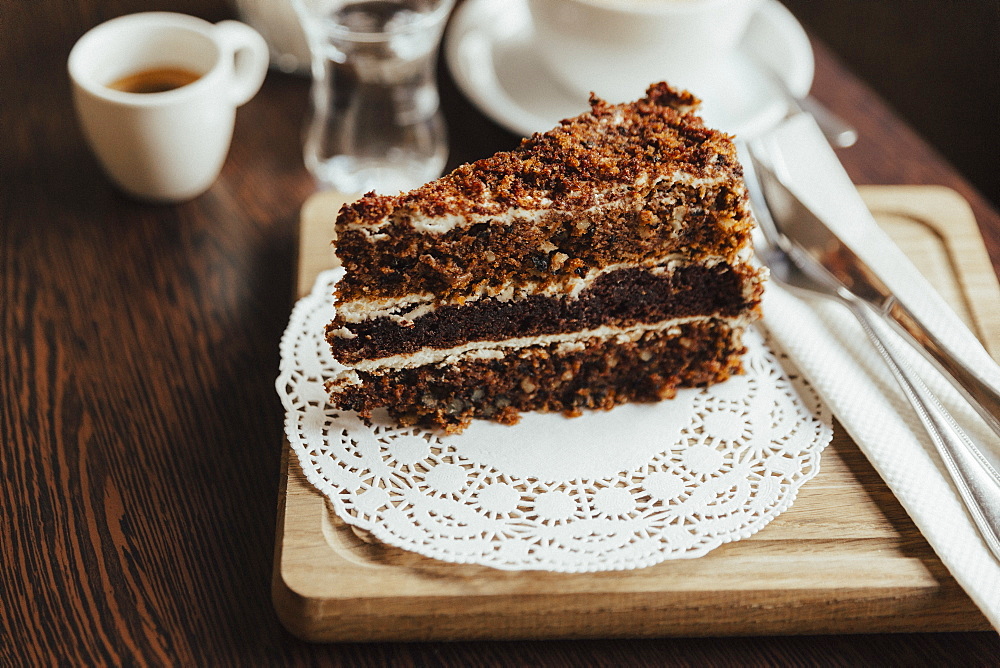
{"x": 832, "y": 351}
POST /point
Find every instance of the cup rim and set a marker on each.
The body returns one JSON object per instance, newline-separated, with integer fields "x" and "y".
{"x": 661, "y": 9}
{"x": 155, "y": 20}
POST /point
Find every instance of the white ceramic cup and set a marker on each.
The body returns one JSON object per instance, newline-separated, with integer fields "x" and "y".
{"x": 164, "y": 146}
{"x": 617, "y": 48}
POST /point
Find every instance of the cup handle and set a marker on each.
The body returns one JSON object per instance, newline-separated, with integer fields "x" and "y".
{"x": 250, "y": 55}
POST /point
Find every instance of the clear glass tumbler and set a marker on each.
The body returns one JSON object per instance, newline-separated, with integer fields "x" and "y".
{"x": 376, "y": 122}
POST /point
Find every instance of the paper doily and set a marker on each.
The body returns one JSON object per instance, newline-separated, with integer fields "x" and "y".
{"x": 610, "y": 490}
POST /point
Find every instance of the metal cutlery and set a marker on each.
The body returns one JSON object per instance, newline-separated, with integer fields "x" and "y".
{"x": 799, "y": 223}
{"x": 804, "y": 255}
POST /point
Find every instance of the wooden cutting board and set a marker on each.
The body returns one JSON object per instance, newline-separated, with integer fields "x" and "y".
{"x": 844, "y": 559}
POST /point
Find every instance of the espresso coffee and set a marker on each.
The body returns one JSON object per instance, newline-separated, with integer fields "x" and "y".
{"x": 157, "y": 80}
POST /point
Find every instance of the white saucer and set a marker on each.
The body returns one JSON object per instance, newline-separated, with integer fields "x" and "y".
{"x": 491, "y": 55}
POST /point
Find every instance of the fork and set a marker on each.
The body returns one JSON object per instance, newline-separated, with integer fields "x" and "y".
{"x": 975, "y": 478}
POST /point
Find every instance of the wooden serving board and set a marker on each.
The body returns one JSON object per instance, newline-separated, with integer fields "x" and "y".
{"x": 844, "y": 559}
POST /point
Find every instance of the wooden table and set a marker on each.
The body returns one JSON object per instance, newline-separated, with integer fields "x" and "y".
{"x": 141, "y": 431}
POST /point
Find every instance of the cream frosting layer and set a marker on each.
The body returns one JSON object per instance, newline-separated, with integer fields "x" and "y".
{"x": 405, "y": 309}
{"x": 497, "y": 349}
{"x": 630, "y": 196}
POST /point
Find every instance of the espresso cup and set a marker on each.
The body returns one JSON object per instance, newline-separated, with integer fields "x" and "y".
{"x": 156, "y": 96}
{"x": 616, "y": 48}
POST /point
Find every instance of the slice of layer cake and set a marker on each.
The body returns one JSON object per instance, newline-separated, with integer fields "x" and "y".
{"x": 602, "y": 262}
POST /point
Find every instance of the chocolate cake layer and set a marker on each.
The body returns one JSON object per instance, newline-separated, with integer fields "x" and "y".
{"x": 549, "y": 247}
{"x": 597, "y": 373}
{"x": 619, "y": 298}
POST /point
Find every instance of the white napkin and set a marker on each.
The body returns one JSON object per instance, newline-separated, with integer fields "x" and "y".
{"x": 831, "y": 350}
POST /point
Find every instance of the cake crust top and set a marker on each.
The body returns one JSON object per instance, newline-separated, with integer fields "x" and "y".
{"x": 570, "y": 166}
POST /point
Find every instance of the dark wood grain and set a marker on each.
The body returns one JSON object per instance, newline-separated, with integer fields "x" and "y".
{"x": 141, "y": 431}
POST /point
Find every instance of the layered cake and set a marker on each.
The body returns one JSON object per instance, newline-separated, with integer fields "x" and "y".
{"x": 604, "y": 261}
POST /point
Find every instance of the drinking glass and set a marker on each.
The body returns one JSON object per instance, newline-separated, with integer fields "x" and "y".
{"x": 375, "y": 119}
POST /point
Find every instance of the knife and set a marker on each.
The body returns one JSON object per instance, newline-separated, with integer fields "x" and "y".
{"x": 804, "y": 227}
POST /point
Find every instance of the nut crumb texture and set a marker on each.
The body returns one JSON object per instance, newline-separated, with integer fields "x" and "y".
{"x": 603, "y": 261}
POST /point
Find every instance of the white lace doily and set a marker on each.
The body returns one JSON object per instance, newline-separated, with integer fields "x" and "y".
{"x": 610, "y": 490}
